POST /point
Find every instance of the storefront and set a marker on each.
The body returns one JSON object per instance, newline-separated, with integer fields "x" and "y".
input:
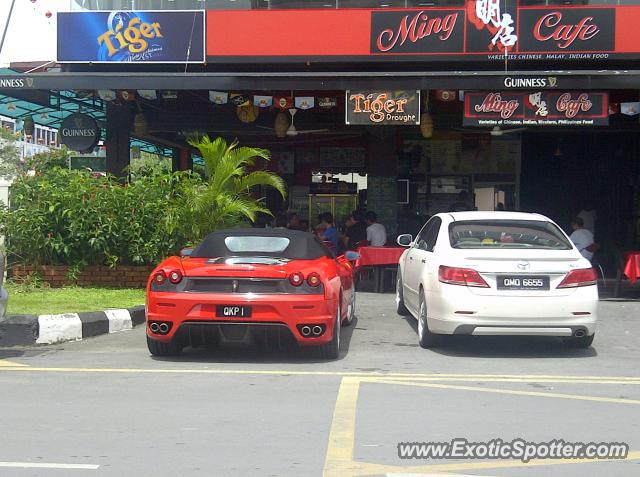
{"x": 399, "y": 110}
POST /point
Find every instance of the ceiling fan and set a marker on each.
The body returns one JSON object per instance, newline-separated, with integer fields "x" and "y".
{"x": 495, "y": 131}
{"x": 292, "y": 131}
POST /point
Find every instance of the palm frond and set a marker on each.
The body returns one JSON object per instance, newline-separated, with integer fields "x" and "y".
{"x": 258, "y": 178}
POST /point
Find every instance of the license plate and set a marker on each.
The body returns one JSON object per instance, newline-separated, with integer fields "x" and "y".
{"x": 233, "y": 311}
{"x": 519, "y": 282}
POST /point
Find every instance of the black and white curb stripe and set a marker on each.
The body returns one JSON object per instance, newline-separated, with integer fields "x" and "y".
{"x": 52, "y": 329}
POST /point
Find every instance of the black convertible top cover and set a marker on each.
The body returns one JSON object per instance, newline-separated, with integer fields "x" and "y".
{"x": 302, "y": 245}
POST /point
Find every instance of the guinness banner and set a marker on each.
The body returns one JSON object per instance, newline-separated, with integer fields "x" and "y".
{"x": 383, "y": 107}
{"x": 546, "y": 108}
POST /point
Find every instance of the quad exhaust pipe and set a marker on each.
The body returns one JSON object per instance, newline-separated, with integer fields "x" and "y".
{"x": 163, "y": 328}
{"x": 317, "y": 330}
{"x": 154, "y": 327}
{"x": 305, "y": 330}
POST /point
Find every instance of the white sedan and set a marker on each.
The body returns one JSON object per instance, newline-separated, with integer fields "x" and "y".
{"x": 496, "y": 273}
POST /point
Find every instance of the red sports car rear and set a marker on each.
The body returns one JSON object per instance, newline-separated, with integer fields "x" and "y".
{"x": 250, "y": 284}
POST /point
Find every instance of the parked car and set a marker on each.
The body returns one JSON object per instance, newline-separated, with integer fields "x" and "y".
{"x": 496, "y": 273}
{"x": 4, "y": 296}
{"x": 243, "y": 284}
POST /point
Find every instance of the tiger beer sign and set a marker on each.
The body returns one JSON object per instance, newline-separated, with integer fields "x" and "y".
{"x": 383, "y": 107}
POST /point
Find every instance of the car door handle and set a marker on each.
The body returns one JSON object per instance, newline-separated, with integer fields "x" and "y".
{"x": 423, "y": 260}
{"x": 410, "y": 257}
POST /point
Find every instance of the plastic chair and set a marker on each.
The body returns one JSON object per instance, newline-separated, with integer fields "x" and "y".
{"x": 593, "y": 248}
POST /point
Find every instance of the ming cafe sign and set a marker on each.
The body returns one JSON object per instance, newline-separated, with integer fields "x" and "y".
{"x": 476, "y": 31}
{"x": 541, "y": 108}
{"x": 382, "y": 107}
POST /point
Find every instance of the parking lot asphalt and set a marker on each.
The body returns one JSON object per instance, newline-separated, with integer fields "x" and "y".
{"x": 105, "y": 407}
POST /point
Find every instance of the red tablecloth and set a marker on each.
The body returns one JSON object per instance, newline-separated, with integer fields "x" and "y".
{"x": 632, "y": 266}
{"x": 372, "y": 256}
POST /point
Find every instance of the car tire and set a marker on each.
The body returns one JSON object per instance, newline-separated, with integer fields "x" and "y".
{"x": 160, "y": 348}
{"x": 400, "y": 308}
{"x": 582, "y": 342}
{"x": 332, "y": 348}
{"x": 426, "y": 338}
{"x": 351, "y": 310}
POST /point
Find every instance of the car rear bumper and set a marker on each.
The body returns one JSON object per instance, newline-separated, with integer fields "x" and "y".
{"x": 185, "y": 312}
{"x": 459, "y": 311}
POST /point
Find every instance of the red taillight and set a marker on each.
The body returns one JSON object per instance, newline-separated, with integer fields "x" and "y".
{"x": 579, "y": 278}
{"x": 160, "y": 277}
{"x": 461, "y": 276}
{"x": 175, "y": 277}
{"x": 296, "y": 279}
{"x": 314, "y": 279}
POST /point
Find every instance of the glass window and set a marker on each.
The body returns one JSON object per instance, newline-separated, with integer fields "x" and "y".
{"x": 257, "y": 244}
{"x": 426, "y": 239}
{"x": 531, "y": 234}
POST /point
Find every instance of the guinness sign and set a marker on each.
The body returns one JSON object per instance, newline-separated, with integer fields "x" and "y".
{"x": 79, "y": 132}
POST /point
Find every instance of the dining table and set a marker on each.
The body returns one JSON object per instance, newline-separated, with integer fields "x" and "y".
{"x": 377, "y": 259}
{"x": 630, "y": 269}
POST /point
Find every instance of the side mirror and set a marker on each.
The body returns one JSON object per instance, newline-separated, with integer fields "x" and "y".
{"x": 405, "y": 240}
{"x": 351, "y": 255}
{"x": 186, "y": 252}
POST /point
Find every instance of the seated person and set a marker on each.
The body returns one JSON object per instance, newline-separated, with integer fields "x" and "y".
{"x": 582, "y": 238}
{"x": 327, "y": 230}
{"x": 376, "y": 233}
{"x": 356, "y": 231}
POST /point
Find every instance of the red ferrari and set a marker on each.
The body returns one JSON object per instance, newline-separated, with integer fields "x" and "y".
{"x": 243, "y": 284}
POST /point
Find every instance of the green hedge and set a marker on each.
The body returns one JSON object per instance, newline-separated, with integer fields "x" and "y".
{"x": 73, "y": 218}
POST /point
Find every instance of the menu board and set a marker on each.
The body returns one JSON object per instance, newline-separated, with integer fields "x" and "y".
{"x": 382, "y": 195}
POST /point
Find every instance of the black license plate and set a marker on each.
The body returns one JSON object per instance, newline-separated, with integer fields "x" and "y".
{"x": 233, "y": 311}
{"x": 520, "y": 282}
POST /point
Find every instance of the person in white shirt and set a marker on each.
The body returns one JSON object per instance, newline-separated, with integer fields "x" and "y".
{"x": 376, "y": 233}
{"x": 582, "y": 238}
{"x": 589, "y": 217}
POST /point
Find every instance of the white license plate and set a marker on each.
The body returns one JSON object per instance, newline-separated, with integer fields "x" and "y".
{"x": 522, "y": 282}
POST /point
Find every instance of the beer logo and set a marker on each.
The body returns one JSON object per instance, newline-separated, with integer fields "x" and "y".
{"x": 128, "y": 38}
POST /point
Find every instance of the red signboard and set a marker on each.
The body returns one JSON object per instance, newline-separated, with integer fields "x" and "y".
{"x": 481, "y": 30}
{"x": 541, "y": 108}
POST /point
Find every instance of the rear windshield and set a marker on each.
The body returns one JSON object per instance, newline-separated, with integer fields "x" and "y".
{"x": 507, "y": 234}
{"x": 257, "y": 244}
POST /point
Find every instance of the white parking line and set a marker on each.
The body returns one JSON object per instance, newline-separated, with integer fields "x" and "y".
{"x": 48, "y": 465}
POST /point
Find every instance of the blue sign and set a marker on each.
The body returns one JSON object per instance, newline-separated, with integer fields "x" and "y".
{"x": 131, "y": 37}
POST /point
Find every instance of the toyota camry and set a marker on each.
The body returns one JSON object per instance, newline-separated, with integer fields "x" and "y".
{"x": 496, "y": 273}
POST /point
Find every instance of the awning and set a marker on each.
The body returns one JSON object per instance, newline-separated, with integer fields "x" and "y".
{"x": 338, "y": 80}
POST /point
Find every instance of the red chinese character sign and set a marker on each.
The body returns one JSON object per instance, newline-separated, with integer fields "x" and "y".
{"x": 539, "y": 108}
{"x": 479, "y": 30}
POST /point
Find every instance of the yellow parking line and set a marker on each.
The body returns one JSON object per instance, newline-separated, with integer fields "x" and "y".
{"x": 508, "y": 391}
{"x": 339, "y": 460}
{"x": 343, "y": 428}
{"x": 10, "y": 364}
{"x": 395, "y": 376}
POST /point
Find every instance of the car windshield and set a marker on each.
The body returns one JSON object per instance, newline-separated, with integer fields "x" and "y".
{"x": 256, "y": 244}
{"x": 530, "y": 234}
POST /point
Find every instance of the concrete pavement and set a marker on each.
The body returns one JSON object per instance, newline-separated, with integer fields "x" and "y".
{"x": 105, "y": 404}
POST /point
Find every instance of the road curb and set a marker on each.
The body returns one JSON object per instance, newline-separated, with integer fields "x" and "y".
{"x": 53, "y": 329}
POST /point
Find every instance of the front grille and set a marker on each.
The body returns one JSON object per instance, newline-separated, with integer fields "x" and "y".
{"x": 247, "y": 285}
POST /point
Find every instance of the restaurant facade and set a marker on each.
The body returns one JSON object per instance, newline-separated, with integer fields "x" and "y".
{"x": 397, "y": 107}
